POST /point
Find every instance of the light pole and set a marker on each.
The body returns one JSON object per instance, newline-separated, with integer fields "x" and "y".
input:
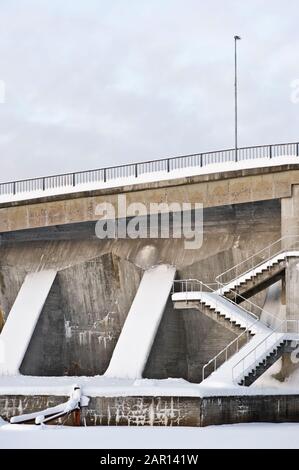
{"x": 237, "y": 38}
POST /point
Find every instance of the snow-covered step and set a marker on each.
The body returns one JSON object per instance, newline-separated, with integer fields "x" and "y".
{"x": 246, "y": 359}
{"x": 138, "y": 333}
{"x": 248, "y": 275}
{"x": 229, "y": 310}
{"x": 22, "y": 319}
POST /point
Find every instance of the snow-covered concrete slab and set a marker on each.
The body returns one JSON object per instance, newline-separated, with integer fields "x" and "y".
{"x": 100, "y": 386}
{"x": 19, "y": 327}
{"x": 139, "y": 331}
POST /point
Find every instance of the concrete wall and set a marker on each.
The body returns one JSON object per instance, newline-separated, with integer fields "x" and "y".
{"x": 165, "y": 411}
{"x": 82, "y": 318}
{"x": 97, "y": 281}
{"x": 290, "y": 228}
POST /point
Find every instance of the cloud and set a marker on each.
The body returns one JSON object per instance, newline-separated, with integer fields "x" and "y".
{"x": 96, "y": 83}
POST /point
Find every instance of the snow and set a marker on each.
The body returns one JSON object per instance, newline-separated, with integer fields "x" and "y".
{"x": 244, "y": 361}
{"x": 253, "y": 272}
{"x": 236, "y": 436}
{"x": 138, "y": 333}
{"x": 267, "y": 380}
{"x": 273, "y": 304}
{"x": 19, "y": 327}
{"x": 74, "y": 402}
{"x": 225, "y": 307}
{"x": 154, "y": 177}
{"x": 100, "y": 386}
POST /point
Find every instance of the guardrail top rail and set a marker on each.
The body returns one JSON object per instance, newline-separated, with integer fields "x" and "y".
{"x": 136, "y": 170}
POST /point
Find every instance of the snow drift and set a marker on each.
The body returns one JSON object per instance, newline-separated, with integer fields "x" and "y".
{"x": 19, "y": 327}
{"x": 138, "y": 333}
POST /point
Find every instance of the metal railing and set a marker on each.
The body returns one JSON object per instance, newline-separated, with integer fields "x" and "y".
{"x": 137, "y": 170}
{"x": 232, "y": 348}
{"x": 194, "y": 285}
{"x": 281, "y": 245}
{"x": 241, "y": 367}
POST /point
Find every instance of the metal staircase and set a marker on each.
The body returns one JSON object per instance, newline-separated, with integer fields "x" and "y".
{"x": 258, "y": 345}
{"x": 260, "y": 355}
{"x": 194, "y": 294}
{"x": 258, "y": 271}
{"x": 265, "y": 364}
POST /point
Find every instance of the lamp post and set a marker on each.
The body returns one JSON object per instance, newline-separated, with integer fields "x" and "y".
{"x": 237, "y": 38}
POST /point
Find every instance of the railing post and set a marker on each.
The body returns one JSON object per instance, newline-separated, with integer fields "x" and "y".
{"x": 297, "y": 149}
{"x": 44, "y": 183}
{"x": 74, "y": 179}
{"x": 201, "y": 159}
{"x": 105, "y": 175}
{"x": 136, "y": 170}
{"x": 168, "y": 165}
{"x": 270, "y": 151}
{"x": 14, "y": 188}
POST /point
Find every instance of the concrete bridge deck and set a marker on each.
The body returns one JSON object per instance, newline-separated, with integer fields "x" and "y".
{"x": 213, "y": 189}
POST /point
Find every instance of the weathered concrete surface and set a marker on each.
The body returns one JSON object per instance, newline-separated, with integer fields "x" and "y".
{"x": 212, "y": 190}
{"x": 290, "y": 228}
{"x": 165, "y": 411}
{"x": 292, "y": 291}
{"x": 247, "y": 409}
{"x": 231, "y": 233}
{"x": 97, "y": 278}
{"x": 82, "y": 318}
{"x": 290, "y": 215}
{"x": 142, "y": 411}
{"x": 14, "y": 405}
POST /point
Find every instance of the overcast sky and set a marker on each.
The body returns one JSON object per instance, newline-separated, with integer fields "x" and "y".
{"x": 92, "y": 83}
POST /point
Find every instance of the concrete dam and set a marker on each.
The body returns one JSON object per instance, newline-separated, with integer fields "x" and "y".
{"x": 149, "y": 331}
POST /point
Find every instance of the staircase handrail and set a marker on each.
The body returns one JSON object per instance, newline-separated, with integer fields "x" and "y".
{"x": 264, "y": 340}
{"x": 226, "y": 349}
{"x": 187, "y": 282}
{"x": 268, "y": 250}
{"x": 192, "y": 282}
{"x": 252, "y": 305}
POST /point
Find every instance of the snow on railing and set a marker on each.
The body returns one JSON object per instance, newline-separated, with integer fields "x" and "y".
{"x": 194, "y": 285}
{"x": 264, "y": 347}
{"x": 286, "y": 243}
{"x": 136, "y": 171}
{"x": 75, "y": 402}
